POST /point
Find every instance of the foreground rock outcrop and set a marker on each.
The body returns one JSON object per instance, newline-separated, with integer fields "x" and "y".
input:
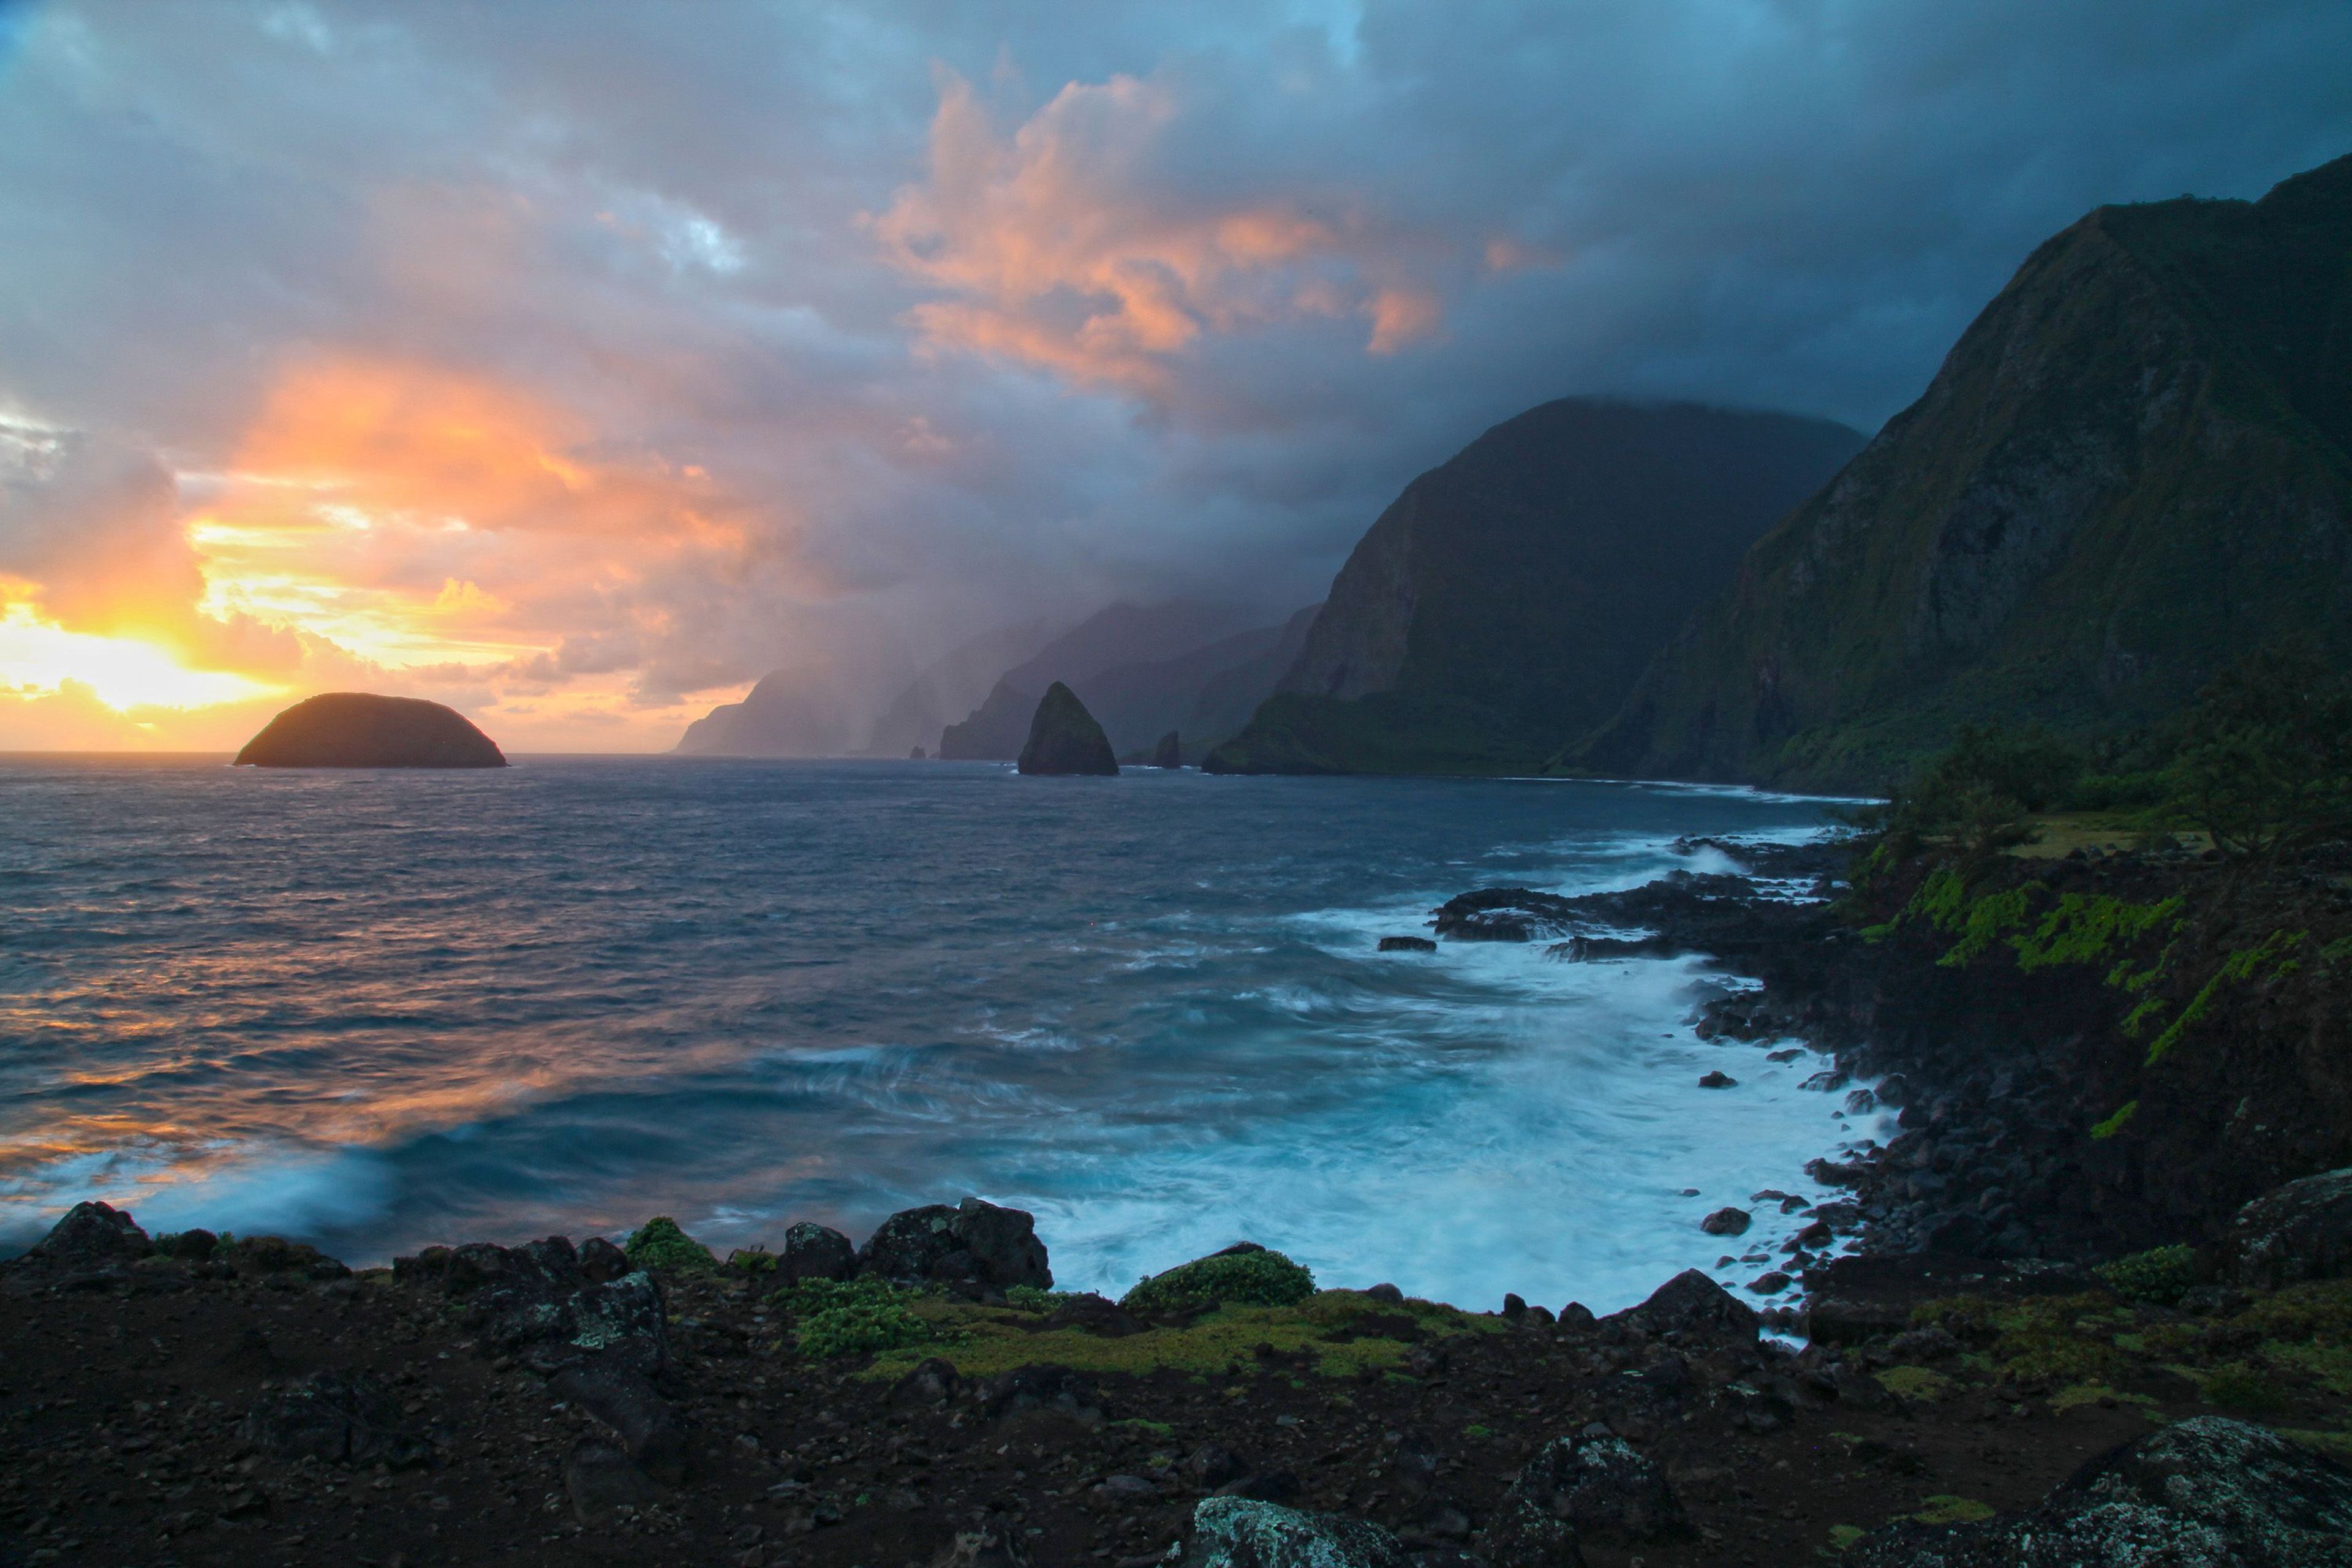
{"x": 2207, "y": 1491}
{"x": 1064, "y": 739}
{"x": 361, "y": 730}
{"x": 220, "y": 1403}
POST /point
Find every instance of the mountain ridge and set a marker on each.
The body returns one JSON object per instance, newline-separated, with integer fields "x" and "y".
{"x": 2131, "y": 469}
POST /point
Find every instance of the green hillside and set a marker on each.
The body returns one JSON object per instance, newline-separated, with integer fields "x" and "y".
{"x": 2130, "y": 470}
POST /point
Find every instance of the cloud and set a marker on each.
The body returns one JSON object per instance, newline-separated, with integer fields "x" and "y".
{"x": 1071, "y": 247}
{"x": 581, "y": 366}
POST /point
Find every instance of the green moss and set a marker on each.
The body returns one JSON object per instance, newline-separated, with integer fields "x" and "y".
{"x": 2234, "y": 1385}
{"x": 2090, "y": 929}
{"x": 660, "y": 1244}
{"x": 1476, "y": 1430}
{"x": 2160, "y": 1274}
{"x": 2082, "y": 1393}
{"x": 2266, "y": 960}
{"x": 861, "y": 1317}
{"x": 1946, "y": 1508}
{"x": 2328, "y": 1366}
{"x": 1843, "y": 1536}
{"x": 1149, "y": 1428}
{"x": 982, "y": 1342}
{"x": 1238, "y": 1279}
{"x": 2117, "y": 1122}
{"x": 1915, "y": 1383}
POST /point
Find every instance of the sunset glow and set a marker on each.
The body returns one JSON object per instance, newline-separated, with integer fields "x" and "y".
{"x": 123, "y": 673}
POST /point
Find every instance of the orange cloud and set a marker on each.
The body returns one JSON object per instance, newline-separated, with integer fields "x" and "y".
{"x": 421, "y": 517}
{"x": 1065, "y": 249}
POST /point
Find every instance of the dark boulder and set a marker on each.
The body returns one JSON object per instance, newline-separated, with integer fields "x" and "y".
{"x": 600, "y": 1478}
{"x": 1592, "y": 1486}
{"x": 2297, "y": 1232}
{"x": 2205, "y": 1491}
{"x": 813, "y": 1251}
{"x": 91, "y": 1236}
{"x": 1726, "y": 1222}
{"x": 602, "y": 1262}
{"x": 1099, "y": 1315}
{"x": 1691, "y": 1304}
{"x": 1064, "y": 739}
{"x": 1245, "y": 1533}
{"x": 612, "y": 1392}
{"x": 337, "y": 1418}
{"x": 974, "y": 1244}
{"x": 361, "y": 730}
{"x": 1719, "y": 1080}
{"x": 1407, "y": 944}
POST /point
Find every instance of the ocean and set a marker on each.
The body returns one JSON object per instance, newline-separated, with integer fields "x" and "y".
{"x": 379, "y": 1010}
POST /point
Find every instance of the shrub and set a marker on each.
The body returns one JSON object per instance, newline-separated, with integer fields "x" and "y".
{"x": 2237, "y": 1386}
{"x": 1031, "y": 1298}
{"x": 2160, "y": 1275}
{"x": 861, "y": 1317}
{"x": 660, "y": 1244}
{"x": 752, "y": 1260}
{"x": 1260, "y": 1278}
{"x": 2265, "y": 760}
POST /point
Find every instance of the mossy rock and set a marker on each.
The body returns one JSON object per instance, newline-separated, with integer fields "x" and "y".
{"x": 660, "y": 1244}
{"x": 1245, "y": 1276}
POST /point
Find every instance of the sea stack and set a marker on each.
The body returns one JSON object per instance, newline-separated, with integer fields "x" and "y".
{"x": 1170, "y": 752}
{"x": 361, "y": 730}
{"x": 1064, "y": 739}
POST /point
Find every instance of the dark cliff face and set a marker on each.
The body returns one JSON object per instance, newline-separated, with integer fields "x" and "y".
{"x": 1064, "y": 739}
{"x": 2135, "y": 467}
{"x": 1506, "y": 601}
{"x": 360, "y": 729}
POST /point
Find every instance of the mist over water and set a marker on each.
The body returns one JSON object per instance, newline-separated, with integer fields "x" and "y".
{"x": 377, "y": 1010}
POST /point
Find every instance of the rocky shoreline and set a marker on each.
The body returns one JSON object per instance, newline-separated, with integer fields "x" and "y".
{"x": 1984, "y": 1379}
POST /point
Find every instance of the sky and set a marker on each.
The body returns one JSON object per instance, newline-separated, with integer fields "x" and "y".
{"x": 577, "y": 364}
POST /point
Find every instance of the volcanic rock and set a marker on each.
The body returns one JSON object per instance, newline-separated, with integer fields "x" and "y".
{"x": 1064, "y": 739}
{"x": 361, "y": 730}
{"x": 1242, "y": 1532}
{"x": 1691, "y": 1304}
{"x": 1169, "y": 752}
{"x": 1407, "y": 944}
{"x": 2204, "y": 1490}
{"x": 1591, "y": 1485}
{"x": 813, "y": 1251}
{"x": 2300, "y": 1231}
{"x": 91, "y": 1236}
{"x": 975, "y": 1244}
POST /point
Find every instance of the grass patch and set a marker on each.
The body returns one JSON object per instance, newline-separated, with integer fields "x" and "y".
{"x": 2081, "y": 1393}
{"x": 1946, "y": 1508}
{"x": 2234, "y": 1385}
{"x": 1915, "y": 1383}
{"x": 660, "y": 1244}
{"x": 983, "y": 1342}
{"x": 1233, "y": 1279}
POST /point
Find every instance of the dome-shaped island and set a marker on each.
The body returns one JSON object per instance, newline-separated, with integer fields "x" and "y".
{"x": 361, "y": 730}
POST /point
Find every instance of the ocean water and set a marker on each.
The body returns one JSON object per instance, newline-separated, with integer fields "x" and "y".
{"x": 378, "y": 1010}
